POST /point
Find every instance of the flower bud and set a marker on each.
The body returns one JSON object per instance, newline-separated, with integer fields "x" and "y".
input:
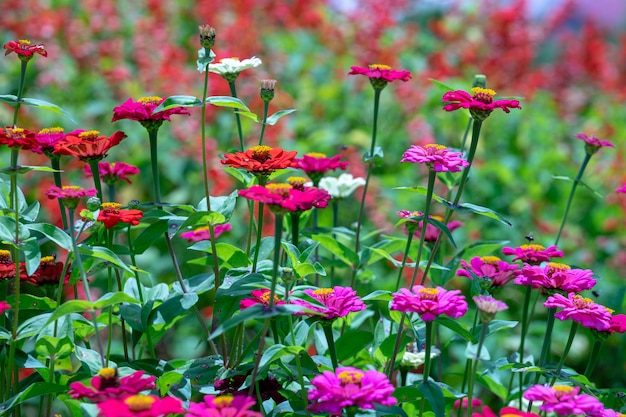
{"x": 134, "y": 204}
{"x": 286, "y": 274}
{"x": 267, "y": 90}
{"x": 207, "y": 36}
{"x": 93, "y": 203}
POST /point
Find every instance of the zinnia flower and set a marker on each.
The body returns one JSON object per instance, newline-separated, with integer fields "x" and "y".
{"x": 24, "y": 49}
{"x": 202, "y": 233}
{"x": 88, "y": 145}
{"x": 223, "y": 406}
{"x": 618, "y": 324}
{"x": 342, "y": 186}
{"x": 580, "y": 309}
{"x": 492, "y": 269}
{"x": 140, "y": 406}
{"x": 564, "y": 400}
{"x": 70, "y": 194}
{"x": 488, "y": 307}
{"x": 380, "y": 75}
{"x": 317, "y": 164}
{"x": 435, "y": 157}
{"x": 47, "y": 139}
{"x": 556, "y": 276}
{"x": 349, "y": 387}
{"x": 336, "y": 302}
{"x": 621, "y": 189}
{"x": 48, "y": 272}
{"x": 593, "y": 144}
{"x": 260, "y": 296}
{"x": 113, "y": 172}
{"x": 281, "y": 198}
{"x": 260, "y": 160}
{"x": 110, "y": 214}
{"x": 107, "y": 384}
{"x": 429, "y": 302}
{"x": 229, "y": 68}
{"x": 533, "y": 253}
{"x": 16, "y": 137}
{"x": 4, "y": 306}
{"x": 142, "y": 111}
{"x": 480, "y": 104}
{"x": 432, "y": 232}
{"x": 7, "y": 266}
{"x": 504, "y": 412}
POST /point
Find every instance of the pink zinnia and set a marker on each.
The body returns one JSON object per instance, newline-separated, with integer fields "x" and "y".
{"x": 336, "y": 302}
{"x": 618, "y": 324}
{"x": 350, "y": 387}
{"x": 436, "y": 157}
{"x": 564, "y": 400}
{"x": 556, "y": 276}
{"x": 432, "y": 232}
{"x": 283, "y": 197}
{"x": 429, "y": 302}
{"x": 142, "y": 110}
{"x": 480, "y": 104}
{"x": 47, "y": 139}
{"x": 380, "y": 75}
{"x": 315, "y": 163}
{"x": 580, "y": 309}
{"x": 504, "y": 412}
{"x": 113, "y": 172}
{"x": 260, "y": 296}
{"x": 4, "y": 306}
{"x": 490, "y": 268}
{"x": 621, "y": 189}
{"x": 223, "y": 406}
{"x": 140, "y": 406}
{"x": 533, "y": 253}
{"x": 202, "y": 233}
{"x": 108, "y": 385}
{"x": 593, "y": 144}
{"x": 70, "y": 194}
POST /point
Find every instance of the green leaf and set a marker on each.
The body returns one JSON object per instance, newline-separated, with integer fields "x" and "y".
{"x": 564, "y": 178}
{"x": 10, "y": 99}
{"x": 378, "y": 295}
{"x": 69, "y": 307}
{"x": 224, "y": 205}
{"x": 240, "y": 175}
{"x": 434, "y": 395}
{"x": 376, "y": 158}
{"x": 441, "y": 85}
{"x": 46, "y": 106}
{"x": 148, "y": 236}
{"x": 341, "y": 251}
{"x": 178, "y": 101}
{"x": 104, "y": 254}
{"x": 111, "y": 298}
{"x": 456, "y": 327}
{"x": 227, "y": 101}
{"x": 32, "y": 254}
{"x": 442, "y": 226}
{"x": 31, "y": 302}
{"x": 165, "y": 381}
{"x": 274, "y": 117}
{"x": 351, "y": 343}
{"x": 255, "y": 312}
{"x": 204, "y": 60}
{"x": 53, "y": 233}
{"x": 32, "y": 391}
{"x": 277, "y": 351}
{"x": 54, "y": 347}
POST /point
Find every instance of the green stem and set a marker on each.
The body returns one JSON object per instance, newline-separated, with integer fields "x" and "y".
{"x": 335, "y": 205}
{"x": 404, "y": 257}
{"x": 259, "y": 235}
{"x": 524, "y": 331}
{"x": 55, "y": 164}
{"x": 330, "y": 338}
{"x": 205, "y": 167}
{"x": 15, "y": 254}
{"x": 375, "y": 120}
{"x": 568, "y": 345}
{"x": 547, "y": 340}
{"x": 266, "y": 106}
{"x": 233, "y": 92}
{"x": 216, "y": 272}
{"x": 571, "y": 196}
{"x": 429, "y": 337}
{"x": 593, "y": 357}
{"x": 298, "y": 366}
{"x": 259, "y": 354}
{"x": 278, "y": 230}
{"x": 20, "y": 91}
{"x": 466, "y": 134}
{"x": 475, "y": 361}
{"x": 359, "y": 222}
{"x": 154, "y": 162}
{"x": 295, "y": 226}
{"x": 426, "y": 216}
{"x": 95, "y": 170}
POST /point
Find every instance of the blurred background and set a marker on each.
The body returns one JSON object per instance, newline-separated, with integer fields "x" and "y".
{"x": 565, "y": 59}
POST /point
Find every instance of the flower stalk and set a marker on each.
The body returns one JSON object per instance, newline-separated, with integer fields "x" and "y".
{"x": 571, "y": 195}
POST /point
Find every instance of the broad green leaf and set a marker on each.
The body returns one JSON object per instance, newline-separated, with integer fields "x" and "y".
{"x": 53, "y": 233}
{"x": 351, "y": 343}
{"x": 224, "y": 205}
{"x": 274, "y": 117}
{"x": 104, "y": 254}
{"x": 483, "y": 211}
{"x": 341, "y": 251}
{"x": 443, "y": 86}
{"x": 393, "y": 410}
{"x": 110, "y": 298}
{"x": 244, "y": 177}
{"x": 10, "y": 99}
{"x": 69, "y": 307}
{"x": 149, "y": 235}
{"x": 165, "y": 381}
{"x": 204, "y": 60}
{"x": 32, "y": 254}
{"x": 378, "y": 295}
{"x": 46, "y": 106}
{"x": 564, "y": 178}
{"x": 277, "y": 351}
{"x": 201, "y": 219}
{"x": 434, "y": 395}
{"x": 456, "y": 327}
{"x": 54, "y": 347}
{"x": 32, "y": 391}
{"x": 227, "y": 101}
{"x": 178, "y": 101}
{"x": 32, "y": 302}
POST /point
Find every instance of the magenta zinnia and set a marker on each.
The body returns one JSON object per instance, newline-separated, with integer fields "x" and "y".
{"x": 317, "y": 164}
{"x": 4, "y": 306}
{"x": 283, "y": 197}
{"x": 70, "y": 194}
{"x": 47, "y": 139}
{"x": 432, "y": 232}
{"x": 223, "y": 406}
{"x": 202, "y": 233}
{"x": 260, "y": 296}
{"x": 435, "y": 157}
{"x": 349, "y": 387}
{"x": 336, "y": 302}
{"x": 113, "y": 172}
{"x": 556, "y": 276}
{"x": 490, "y": 268}
{"x": 592, "y": 143}
{"x": 564, "y": 400}
{"x": 380, "y": 75}
{"x": 142, "y": 111}
{"x": 621, "y": 189}
{"x": 580, "y": 309}
{"x": 140, "y": 406}
{"x": 429, "y": 302}
{"x": 533, "y": 253}
{"x": 108, "y": 385}
{"x": 480, "y": 103}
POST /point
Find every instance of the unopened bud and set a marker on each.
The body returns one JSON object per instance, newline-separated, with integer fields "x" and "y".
{"x": 207, "y": 36}
{"x": 267, "y": 90}
{"x": 93, "y": 203}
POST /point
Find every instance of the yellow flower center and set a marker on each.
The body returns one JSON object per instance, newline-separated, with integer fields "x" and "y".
{"x": 491, "y": 260}
{"x": 435, "y": 146}
{"x": 89, "y": 135}
{"x": 139, "y": 402}
{"x": 533, "y": 247}
{"x": 107, "y": 373}
{"x": 5, "y": 256}
{"x": 47, "y": 260}
{"x": 201, "y": 229}
{"x": 16, "y": 130}
{"x": 296, "y": 181}
{"x": 316, "y": 155}
{"x": 223, "y": 401}
{"x": 260, "y": 153}
{"x": 510, "y": 415}
{"x": 111, "y": 206}
{"x": 428, "y": 293}
{"x": 282, "y": 189}
{"x": 562, "y": 389}
{"x": 610, "y": 310}
{"x": 323, "y": 293}
{"x": 71, "y": 187}
{"x": 379, "y": 66}
{"x": 350, "y": 377}
{"x": 581, "y": 302}
{"x": 49, "y": 130}
{"x": 555, "y": 266}
{"x": 480, "y": 90}
{"x": 150, "y": 100}
{"x": 24, "y": 42}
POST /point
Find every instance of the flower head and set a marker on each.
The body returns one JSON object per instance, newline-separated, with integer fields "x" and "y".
{"x": 7, "y": 266}
{"x": 564, "y": 400}
{"x": 317, "y": 164}
{"x": 480, "y": 103}
{"x": 88, "y": 145}
{"x": 223, "y": 406}
{"x": 70, "y": 194}
{"x": 349, "y": 387}
{"x": 336, "y": 302}
{"x": 142, "y": 111}
{"x": 380, "y": 75}
{"x": 48, "y": 272}
{"x": 282, "y": 198}
{"x": 202, "y": 233}
{"x": 580, "y": 309}
{"x": 435, "y": 157}
{"x": 113, "y": 173}
{"x": 621, "y": 189}
{"x": 47, "y": 138}
{"x": 229, "y": 68}
{"x": 429, "y": 302}
{"x": 533, "y": 254}
{"x": 267, "y": 90}
{"x": 488, "y": 307}
{"x": 111, "y": 214}
{"x": 140, "y": 406}
{"x": 492, "y": 269}
{"x": 107, "y": 384}
{"x": 432, "y": 232}
{"x": 592, "y": 143}
{"x": 16, "y": 137}
{"x": 342, "y": 186}
{"x": 4, "y": 306}
{"x": 618, "y": 324}
{"x": 556, "y": 276}
{"x": 260, "y": 296}
{"x": 260, "y": 160}
{"x": 24, "y": 49}
{"x": 504, "y": 412}
{"x": 207, "y": 36}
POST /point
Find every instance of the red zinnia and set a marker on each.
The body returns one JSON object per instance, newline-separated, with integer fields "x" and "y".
{"x": 107, "y": 384}
{"x": 480, "y": 104}
{"x": 88, "y": 145}
{"x": 24, "y": 49}
{"x": 16, "y": 137}
{"x": 7, "y": 266}
{"x": 260, "y": 160}
{"x": 110, "y": 214}
{"x": 49, "y": 272}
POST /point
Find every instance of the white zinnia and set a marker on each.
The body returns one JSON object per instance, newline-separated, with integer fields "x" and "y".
{"x": 342, "y": 186}
{"x": 233, "y": 65}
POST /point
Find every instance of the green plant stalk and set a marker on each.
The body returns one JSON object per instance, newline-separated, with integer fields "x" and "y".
{"x": 259, "y": 235}
{"x": 429, "y": 198}
{"x": 547, "y": 340}
{"x": 427, "y": 348}
{"x": 109, "y": 240}
{"x": 154, "y": 163}
{"x": 259, "y": 354}
{"x": 233, "y": 92}
{"x": 55, "y": 163}
{"x": 468, "y": 363}
{"x": 295, "y": 227}
{"x": 328, "y": 332}
{"x": 298, "y": 366}
{"x": 266, "y": 106}
{"x": 122, "y": 321}
{"x": 278, "y": 231}
{"x": 81, "y": 269}
{"x": 409, "y": 240}
{"x": 475, "y": 361}
{"x": 568, "y": 346}
{"x": 571, "y": 196}
{"x": 351, "y": 411}
{"x": 593, "y": 357}
{"x": 95, "y": 170}
{"x": 15, "y": 254}
{"x": 335, "y": 206}
{"x": 216, "y": 272}
{"x": 20, "y": 90}
{"x": 524, "y": 331}
{"x": 205, "y": 167}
